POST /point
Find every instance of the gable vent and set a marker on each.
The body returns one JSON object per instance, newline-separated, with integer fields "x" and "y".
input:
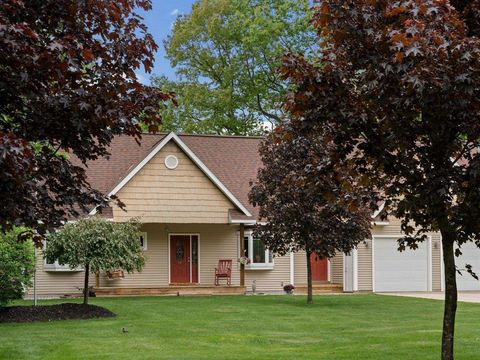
{"x": 171, "y": 162}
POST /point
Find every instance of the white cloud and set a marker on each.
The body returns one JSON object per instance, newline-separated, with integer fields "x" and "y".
{"x": 174, "y": 12}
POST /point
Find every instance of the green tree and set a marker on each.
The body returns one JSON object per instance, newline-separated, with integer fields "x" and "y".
{"x": 226, "y": 53}
{"x": 17, "y": 261}
{"x": 97, "y": 245}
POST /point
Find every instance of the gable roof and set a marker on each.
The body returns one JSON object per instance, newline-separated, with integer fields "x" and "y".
{"x": 230, "y": 162}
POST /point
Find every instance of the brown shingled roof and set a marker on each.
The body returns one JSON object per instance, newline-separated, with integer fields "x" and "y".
{"x": 234, "y": 160}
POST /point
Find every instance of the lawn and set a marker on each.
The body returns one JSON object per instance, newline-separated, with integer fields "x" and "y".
{"x": 248, "y": 327}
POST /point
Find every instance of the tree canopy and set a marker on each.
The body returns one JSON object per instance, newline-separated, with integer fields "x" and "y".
{"x": 67, "y": 84}
{"x": 97, "y": 245}
{"x": 399, "y": 84}
{"x": 309, "y": 199}
{"x": 226, "y": 53}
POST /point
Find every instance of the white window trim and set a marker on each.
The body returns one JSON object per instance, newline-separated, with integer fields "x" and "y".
{"x": 145, "y": 241}
{"x": 252, "y": 265}
{"x": 56, "y": 267}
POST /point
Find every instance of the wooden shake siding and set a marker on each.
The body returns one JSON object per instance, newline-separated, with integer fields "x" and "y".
{"x": 183, "y": 195}
{"x": 57, "y": 283}
{"x": 216, "y": 242}
{"x": 336, "y": 269}
{"x": 270, "y": 280}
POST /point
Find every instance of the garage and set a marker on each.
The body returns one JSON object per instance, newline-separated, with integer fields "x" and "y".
{"x": 471, "y": 256}
{"x": 400, "y": 271}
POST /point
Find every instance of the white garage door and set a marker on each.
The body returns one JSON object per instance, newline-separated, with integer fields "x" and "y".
{"x": 471, "y": 256}
{"x": 399, "y": 271}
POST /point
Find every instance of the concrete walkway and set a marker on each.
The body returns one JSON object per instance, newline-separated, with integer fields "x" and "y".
{"x": 465, "y": 296}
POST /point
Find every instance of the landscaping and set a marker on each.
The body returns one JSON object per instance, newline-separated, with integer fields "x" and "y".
{"x": 247, "y": 327}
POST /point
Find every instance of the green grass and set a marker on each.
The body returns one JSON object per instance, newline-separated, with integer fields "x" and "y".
{"x": 247, "y": 327}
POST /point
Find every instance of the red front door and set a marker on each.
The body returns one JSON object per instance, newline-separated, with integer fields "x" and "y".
{"x": 180, "y": 259}
{"x": 319, "y": 268}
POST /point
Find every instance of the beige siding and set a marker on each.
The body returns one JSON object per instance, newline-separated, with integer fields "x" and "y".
{"x": 436, "y": 262}
{"x": 57, "y": 283}
{"x": 364, "y": 259}
{"x": 300, "y": 266}
{"x": 216, "y": 242}
{"x": 270, "y": 279}
{"x": 183, "y": 195}
{"x": 336, "y": 269}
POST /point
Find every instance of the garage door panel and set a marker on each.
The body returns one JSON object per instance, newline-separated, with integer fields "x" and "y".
{"x": 470, "y": 256}
{"x": 399, "y": 271}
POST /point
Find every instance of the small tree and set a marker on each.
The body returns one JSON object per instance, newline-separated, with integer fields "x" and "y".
{"x": 309, "y": 201}
{"x": 97, "y": 245}
{"x": 17, "y": 261}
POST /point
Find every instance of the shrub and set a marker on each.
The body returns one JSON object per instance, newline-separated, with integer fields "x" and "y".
{"x": 17, "y": 261}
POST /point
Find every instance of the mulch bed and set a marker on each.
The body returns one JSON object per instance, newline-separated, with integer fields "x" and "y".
{"x": 21, "y": 314}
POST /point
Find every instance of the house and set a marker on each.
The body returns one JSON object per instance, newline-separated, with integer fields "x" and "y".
{"x": 191, "y": 194}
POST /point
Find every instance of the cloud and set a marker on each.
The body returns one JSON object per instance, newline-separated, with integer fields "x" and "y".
{"x": 174, "y": 12}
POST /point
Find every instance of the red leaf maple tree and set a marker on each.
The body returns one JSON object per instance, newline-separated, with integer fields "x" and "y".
{"x": 399, "y": 83}
{"x": 67, "y": 86}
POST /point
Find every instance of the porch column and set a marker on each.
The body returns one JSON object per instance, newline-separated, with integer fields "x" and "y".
{"x": 242, "y": 252}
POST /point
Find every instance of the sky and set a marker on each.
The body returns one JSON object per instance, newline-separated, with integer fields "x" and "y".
{"x": 159, "y": 21}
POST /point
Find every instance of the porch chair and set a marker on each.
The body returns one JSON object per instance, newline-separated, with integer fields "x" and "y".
{"x": 223, "y": 271}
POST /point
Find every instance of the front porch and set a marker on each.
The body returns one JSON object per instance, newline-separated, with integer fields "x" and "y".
{"x": 175, "y": 290}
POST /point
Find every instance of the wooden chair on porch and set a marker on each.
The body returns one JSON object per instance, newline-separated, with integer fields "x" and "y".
{"x": 223, "y": 271}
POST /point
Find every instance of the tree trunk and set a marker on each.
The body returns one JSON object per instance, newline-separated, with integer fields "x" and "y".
{"x": 309, "y": 279}
{"x": 85, "y": 285}
{"x": 450, "y": 296}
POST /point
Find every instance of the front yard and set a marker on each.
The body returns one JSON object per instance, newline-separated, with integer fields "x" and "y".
{"x": 246, "y": 327}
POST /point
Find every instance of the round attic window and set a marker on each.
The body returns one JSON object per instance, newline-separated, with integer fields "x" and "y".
{"x": 171, "y": 162}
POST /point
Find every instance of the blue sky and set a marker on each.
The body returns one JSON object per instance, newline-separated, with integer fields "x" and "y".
{"x": 159, "y": 21}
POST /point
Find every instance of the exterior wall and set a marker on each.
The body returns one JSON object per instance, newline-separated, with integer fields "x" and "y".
{"x": 270, "y": 280}
{"x": 157, "y": 194}
{"x": 365, "y": 278}
{"x": 57, "y": 283}
{"x": 300, "y": 268}
{"x": 216, "y": 242}
{"x": 336, "y": 269}
{"x": 436, "y": 262}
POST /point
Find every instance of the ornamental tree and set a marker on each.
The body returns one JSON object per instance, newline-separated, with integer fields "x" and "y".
{"x": 398, "y": 83}
{"x": 97, "y": 245}
{"x": 67, "y": 83}
{"x": 308, "y": 199}
{"x": 225, "y": 53}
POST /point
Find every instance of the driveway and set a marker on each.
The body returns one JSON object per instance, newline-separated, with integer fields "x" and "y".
{"x": 465, "y": 296}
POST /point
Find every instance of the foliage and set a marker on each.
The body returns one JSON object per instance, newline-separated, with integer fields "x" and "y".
{"x": 226, "y": 53}
{"x": 67, "y": 84}
{"x": 399, "y": 83}
{"x": 309, "y": 200}
{"x": 17, "y": 261}
{"x": 97, "y": 245}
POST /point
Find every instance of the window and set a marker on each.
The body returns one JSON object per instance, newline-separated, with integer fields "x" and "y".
{"x": 55, "y": 266}
{"x": 260, "y": 257}
{"x": 143, "y": 240}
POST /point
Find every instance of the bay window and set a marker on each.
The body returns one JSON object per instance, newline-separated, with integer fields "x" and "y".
{"x": 260, "y": 257}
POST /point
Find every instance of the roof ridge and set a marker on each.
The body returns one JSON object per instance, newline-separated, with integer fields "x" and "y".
{"x": 208, "y": 135}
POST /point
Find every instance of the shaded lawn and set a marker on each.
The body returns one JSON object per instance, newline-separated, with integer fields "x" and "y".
{"x": 249, "y": 327}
